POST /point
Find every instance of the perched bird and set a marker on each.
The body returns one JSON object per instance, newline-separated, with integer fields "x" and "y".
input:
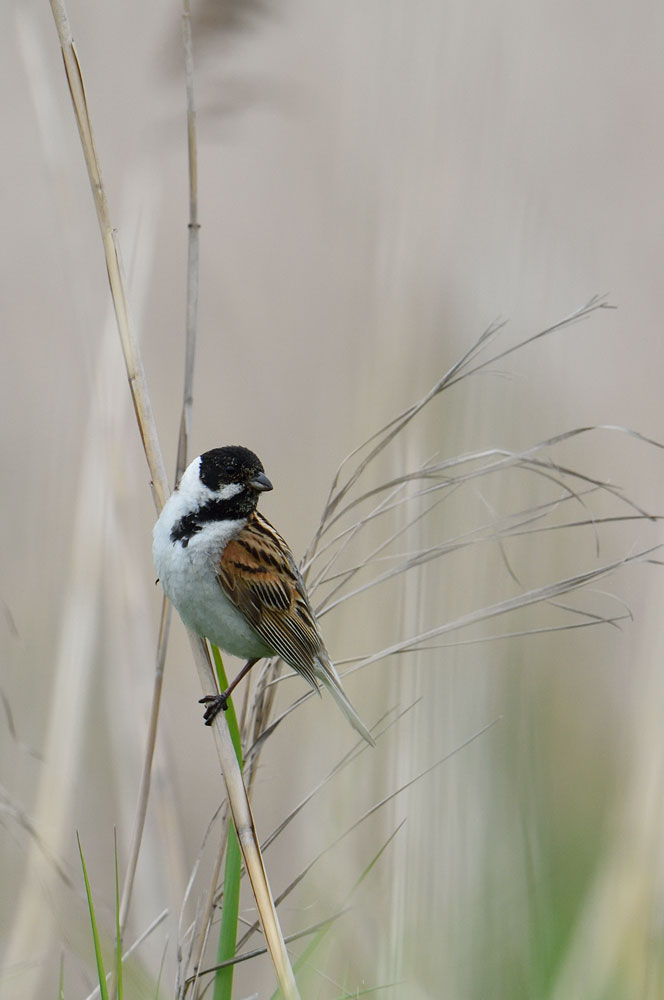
{"x": 232, "y": 577}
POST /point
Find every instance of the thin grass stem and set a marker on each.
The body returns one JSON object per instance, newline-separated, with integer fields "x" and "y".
{"x": 237, "y": 793}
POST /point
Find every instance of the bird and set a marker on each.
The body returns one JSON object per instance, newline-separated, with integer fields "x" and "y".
{"x": 233, "y": 579}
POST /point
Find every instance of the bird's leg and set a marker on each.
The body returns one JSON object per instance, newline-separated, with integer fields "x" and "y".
{"x": 219, "y": 702}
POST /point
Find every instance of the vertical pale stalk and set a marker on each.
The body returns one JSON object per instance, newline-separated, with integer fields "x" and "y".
{"x": 183, "y": 449}
{"x": 69, "y": 701}
{"x": 193, "y": 241}
{"x": 135, "y": 374}
{"x": 237, "y": 795}
{"x": 146, "y": 774}
{"x": 246, "y": 835}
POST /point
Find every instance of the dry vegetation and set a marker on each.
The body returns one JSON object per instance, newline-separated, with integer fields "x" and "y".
{"x": 482, "y": 564}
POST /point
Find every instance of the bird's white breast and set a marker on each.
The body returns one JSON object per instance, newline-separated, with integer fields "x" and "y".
{"x": 188, "y": 575}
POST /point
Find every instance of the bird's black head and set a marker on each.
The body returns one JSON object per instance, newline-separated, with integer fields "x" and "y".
{"x": 233, "y": 465}
{"x": 227, "y": 487}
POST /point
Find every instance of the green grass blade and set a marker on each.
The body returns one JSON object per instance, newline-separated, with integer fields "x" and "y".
{"x": 223, "y": 981}
{"x": 231, "y": 717}
{"x": 103, "y": 989}
{"x": 61, "y": 984}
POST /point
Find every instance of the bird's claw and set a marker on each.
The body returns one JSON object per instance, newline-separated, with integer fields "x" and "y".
{"x": 215, "y": 703}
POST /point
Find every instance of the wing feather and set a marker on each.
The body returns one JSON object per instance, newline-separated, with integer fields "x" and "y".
{"x": 258, "y": 574}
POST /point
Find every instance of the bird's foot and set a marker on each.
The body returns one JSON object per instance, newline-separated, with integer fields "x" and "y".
{"x": 215, "y": 703}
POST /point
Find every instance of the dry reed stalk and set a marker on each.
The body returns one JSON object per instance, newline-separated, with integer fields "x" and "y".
{"x": 69, "y": 700}
{"x": 429, "y": 483}
{"x": 146, "y": 773}
{"x": 237, "y": 795}
{"x": 183, "y": 447}
{"x": 193, "y": 243}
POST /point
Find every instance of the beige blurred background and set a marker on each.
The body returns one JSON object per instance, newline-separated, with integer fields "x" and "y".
{"x": 378, "y": 182}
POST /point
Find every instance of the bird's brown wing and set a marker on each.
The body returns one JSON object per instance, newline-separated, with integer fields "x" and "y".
{"x": 258, "y": 574}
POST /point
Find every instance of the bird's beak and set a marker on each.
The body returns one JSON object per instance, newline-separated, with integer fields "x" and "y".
{"x": 261, "y": 483}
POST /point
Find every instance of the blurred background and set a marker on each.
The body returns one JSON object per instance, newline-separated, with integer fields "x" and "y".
{"x": 378, "y": 183}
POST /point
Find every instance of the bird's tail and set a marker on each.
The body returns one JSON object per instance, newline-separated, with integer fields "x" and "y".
{"x": 330, "y": 679}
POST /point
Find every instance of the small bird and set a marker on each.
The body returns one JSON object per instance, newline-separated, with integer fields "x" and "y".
{"x": 232, "y": 577}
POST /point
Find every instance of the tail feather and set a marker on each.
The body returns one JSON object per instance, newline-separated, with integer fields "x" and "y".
{"x": 330, "y": 679}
